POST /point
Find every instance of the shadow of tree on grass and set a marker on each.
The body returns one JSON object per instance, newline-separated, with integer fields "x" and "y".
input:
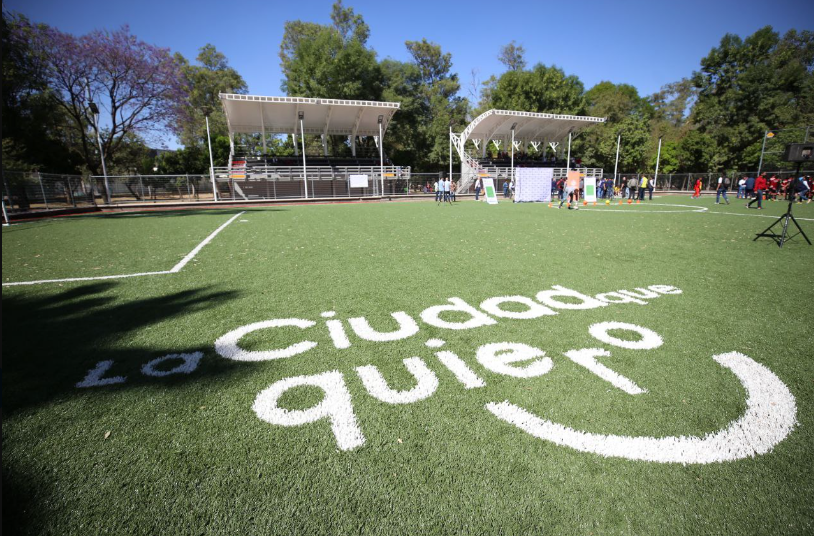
{"x": 51, "y": 341}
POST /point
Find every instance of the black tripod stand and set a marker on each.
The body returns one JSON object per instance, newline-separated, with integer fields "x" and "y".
{"x": 784, "y": 219}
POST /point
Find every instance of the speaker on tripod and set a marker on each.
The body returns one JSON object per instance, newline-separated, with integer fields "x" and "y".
{"x": 799, "y": 153}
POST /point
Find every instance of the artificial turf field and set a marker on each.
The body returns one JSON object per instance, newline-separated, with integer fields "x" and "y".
{"x": 189, "y": 454}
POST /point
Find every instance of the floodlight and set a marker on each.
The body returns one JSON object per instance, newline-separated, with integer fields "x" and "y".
{"x": 381, "y": 119}
{"x": 93, "y": 108}
{"x": 513, "y": 125}
{"x": 300, "y": 115}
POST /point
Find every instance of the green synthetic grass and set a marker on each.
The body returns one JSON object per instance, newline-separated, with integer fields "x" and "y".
{"x": 188, "y": 455}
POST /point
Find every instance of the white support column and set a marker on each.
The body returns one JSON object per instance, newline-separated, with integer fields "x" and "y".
{"x": 450, "y": 153}
{"x": 658, "y": 158}
{"x": 616, "y": 165}
{"x": 263, "y": 129}
{"x": 325, "y": 131}
{"x": 304, "y": 167}
{"x": 381, "y": 155}
{"x": 211, "y": 164}
{"x": 568, "y": 158}
{"x": 512, "y": 175}
{"x": 352, "y": 143}
{"x": 5, "y": 214}
{"x": 355, "y": 130}
{"x": 294, "y": 139}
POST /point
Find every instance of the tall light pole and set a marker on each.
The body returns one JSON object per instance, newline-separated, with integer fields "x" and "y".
{"x": 301, "y": 116}
{"x": 658, "y": 158}
{"x": 381, "y": 153}
{"x": 207, "y": 111}
{"x": 616, "y": 165}
{"x": 95, "y": 111}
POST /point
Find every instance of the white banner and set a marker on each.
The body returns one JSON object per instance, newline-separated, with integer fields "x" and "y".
{"x": 358, "y": 181}
{"x": 533, "y": 185}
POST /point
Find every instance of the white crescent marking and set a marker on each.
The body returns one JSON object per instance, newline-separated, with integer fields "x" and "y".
{"x": 770, "y": 416}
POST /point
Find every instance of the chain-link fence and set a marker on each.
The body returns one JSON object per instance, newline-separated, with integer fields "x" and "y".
{"x": 32, "y": 191}
{"x": 25, "y": 192}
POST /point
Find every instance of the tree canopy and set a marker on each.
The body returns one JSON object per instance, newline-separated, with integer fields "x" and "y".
{"x": 712, "y": 120}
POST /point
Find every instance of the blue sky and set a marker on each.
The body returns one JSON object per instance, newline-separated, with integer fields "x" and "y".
{"x": 646, "y": 44}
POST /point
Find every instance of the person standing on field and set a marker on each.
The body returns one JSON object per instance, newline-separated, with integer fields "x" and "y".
{"x": 760, "y": 186}
{"x": 439, "y": 190}
{"x": 750, "y": 187}
{"x": 631, "y": 186}
{"x": 642, "y": 186}
{"x": 698, "y": 186}
{"x": 478, "y": 187}
{"x": 448, "y": 190}
{"x": 723, "y": 184}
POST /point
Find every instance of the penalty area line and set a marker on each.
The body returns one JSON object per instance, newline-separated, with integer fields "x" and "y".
{"x": 175, "y": 269}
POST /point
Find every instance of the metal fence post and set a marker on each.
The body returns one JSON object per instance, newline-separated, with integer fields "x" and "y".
{"x": 141, "y": 186}
{"x": 42, "y": 189}
{"x": 8, "y": 192}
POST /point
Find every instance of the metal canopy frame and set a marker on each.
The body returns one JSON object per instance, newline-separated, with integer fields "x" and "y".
{"x": 257, "y": 114}
{"x": 514, "y": 128}
{"x": 531, "y": 126}
{"x": 252, "y": 114}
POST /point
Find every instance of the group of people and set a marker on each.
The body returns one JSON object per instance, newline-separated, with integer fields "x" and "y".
{"x": 445, "y": 190}
{"x": 757, "y": 189}
{"x": 633, "y": 188}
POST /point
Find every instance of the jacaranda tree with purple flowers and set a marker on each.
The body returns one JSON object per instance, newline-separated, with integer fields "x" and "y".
{"x": 137, "y": 86}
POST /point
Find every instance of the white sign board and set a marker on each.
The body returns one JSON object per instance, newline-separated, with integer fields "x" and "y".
{"x": 358, "y": 181}
{"x": 489, "y": 188}
{"x": 590, "y": 189}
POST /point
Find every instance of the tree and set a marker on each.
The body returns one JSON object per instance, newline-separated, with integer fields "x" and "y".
{"x": 513, "y": 56}
{"x": 747, "y": 86}
{"x": 330, "y": 61}
{"x": 542, "y": 89}
{"x": 35, "y": 133}
{"x": 626, "y": 113}
{"x": 137, "y": 86}
{"x": 435, "y": 91}
{"x": 204, "y": 83}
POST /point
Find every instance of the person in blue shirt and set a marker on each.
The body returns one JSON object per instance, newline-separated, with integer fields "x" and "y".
{"x": 506, "y": 189}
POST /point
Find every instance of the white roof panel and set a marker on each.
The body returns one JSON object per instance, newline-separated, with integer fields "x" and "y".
{"x": 278, "y": 115}
{"x": 528, "y": 126}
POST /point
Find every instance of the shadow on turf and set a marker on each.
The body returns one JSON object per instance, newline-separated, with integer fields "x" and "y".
{"x": 52, "y": 341}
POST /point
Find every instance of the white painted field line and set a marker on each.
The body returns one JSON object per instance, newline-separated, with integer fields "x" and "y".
{"x": 200, "y": 246}
{"x": 173, "y": 270}
{"x": 758, "y": 215}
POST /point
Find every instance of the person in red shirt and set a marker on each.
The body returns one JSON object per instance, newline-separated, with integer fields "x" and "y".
{"x": 784, "y": 187}
{"x": 774, "y": 184}
{"x": 760, "y": 186}
{"x": 697, "y": 188}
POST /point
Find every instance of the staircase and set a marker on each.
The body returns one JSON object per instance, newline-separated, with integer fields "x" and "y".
{"x": 470, "y": 170}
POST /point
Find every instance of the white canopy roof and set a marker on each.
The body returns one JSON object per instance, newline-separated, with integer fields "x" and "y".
{"x": 279, "y": 115}
{"x": 528, "y": 126}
